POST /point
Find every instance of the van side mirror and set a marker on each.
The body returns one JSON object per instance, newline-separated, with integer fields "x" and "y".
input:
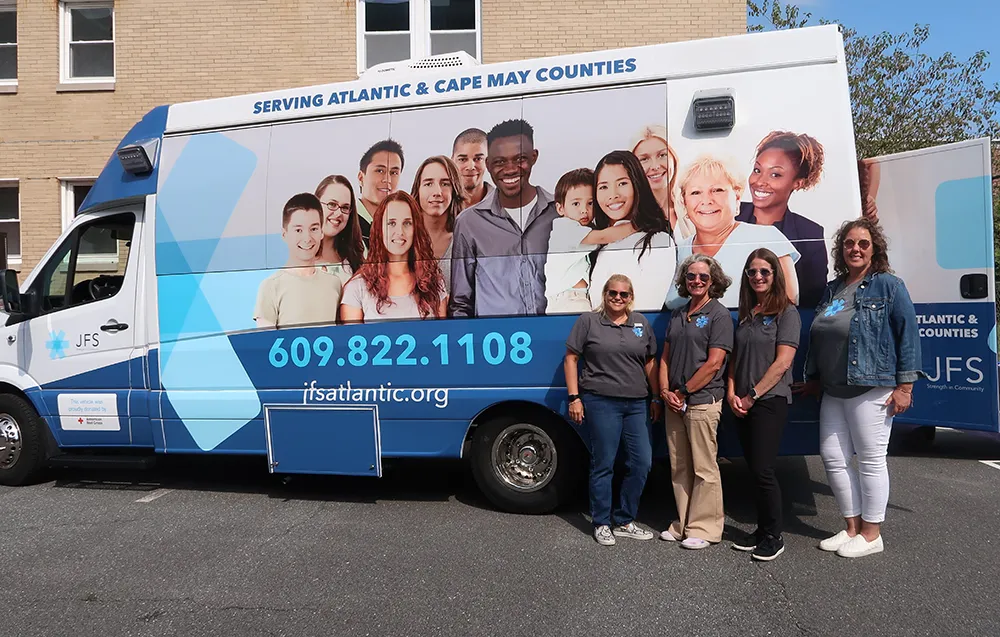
{"x": 10, "y": 293}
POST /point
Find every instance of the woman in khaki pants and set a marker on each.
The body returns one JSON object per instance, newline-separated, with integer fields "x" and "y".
{"x": 692, "y": 381}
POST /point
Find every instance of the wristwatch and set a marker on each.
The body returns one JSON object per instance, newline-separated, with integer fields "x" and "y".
{"x": 753, "y": 394}
{"x": 683, "y": 391}
{"x": 572, "y": 397}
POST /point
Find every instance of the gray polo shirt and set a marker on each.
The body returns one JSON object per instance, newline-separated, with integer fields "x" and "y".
{"x": 614, "y": 356}
{"x": 498, "y": 269}
{"x": 690, "y": 338}
{"x": 829, "y": 335}
{"x": 756, "y": 347}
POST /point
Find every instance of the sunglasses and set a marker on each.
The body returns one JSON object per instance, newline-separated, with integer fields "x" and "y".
{"x": 699, "y": 276}
{"x": 763, "y": 272}
{"x": 864, "y": 244}
{"x": 615, "y": 294}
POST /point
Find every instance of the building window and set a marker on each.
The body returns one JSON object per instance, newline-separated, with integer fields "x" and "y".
{"x": 8, "y": 42}
{"x": 394, "y": 30}
{"x": 10, "y": 219}
{"x": 88, "y": 41}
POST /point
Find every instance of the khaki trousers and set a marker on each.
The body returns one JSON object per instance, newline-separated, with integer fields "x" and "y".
{"x": 694, "y": 472}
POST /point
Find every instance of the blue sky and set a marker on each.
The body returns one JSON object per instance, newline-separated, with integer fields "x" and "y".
{"x": 960, "y": 26}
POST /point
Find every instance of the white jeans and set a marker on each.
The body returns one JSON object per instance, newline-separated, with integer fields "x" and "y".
{"x": 860, "y": 425}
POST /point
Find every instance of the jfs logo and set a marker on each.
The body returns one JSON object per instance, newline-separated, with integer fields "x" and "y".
{"x": 85, "y": 341}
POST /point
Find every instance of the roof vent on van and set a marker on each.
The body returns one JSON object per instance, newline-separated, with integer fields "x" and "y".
{"x": 430, "y": 63}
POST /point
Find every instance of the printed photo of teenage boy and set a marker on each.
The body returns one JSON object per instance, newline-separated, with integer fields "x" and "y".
{"x": 378, "y": 177}
{"x": 300, "y": 293}
{"x": 469, "y": 154}
{"x": 500, "y": 244}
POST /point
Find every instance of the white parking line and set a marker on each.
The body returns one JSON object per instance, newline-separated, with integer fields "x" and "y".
{"x": 159, "y": 493}
{"x": 992, "y": 463}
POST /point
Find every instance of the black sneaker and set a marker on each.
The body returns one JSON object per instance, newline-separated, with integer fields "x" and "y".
{"x": 749, "y": 541}
{"x": 769, "y": 548}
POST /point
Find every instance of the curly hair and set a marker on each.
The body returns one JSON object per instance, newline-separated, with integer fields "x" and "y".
{"x": 803, "y": 150}
{"x": 720, "y": 282}
{"x": 775, "y": 300}
{"x": 457, "y": 195}
{"x": 880, "y": 246}
{"x": 428, "y": 282}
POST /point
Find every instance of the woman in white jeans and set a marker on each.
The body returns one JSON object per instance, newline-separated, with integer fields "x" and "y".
{"x": 864, "y": 355}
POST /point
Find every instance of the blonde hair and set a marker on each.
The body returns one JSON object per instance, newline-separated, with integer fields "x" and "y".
{"x": 617, "y": 278}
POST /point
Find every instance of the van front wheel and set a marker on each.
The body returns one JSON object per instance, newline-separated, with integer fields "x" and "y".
{"x": 21, "y": 450}
{"x": 525, "y": 467}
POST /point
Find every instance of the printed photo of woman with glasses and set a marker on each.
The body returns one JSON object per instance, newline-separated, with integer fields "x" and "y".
{"x": 342, "y": 250}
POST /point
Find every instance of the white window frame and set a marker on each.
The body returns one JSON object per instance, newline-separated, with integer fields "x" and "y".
{"x": 66, "y": 81}
{"x": 8, "y": 85}
{"x": 9, "y": 183}
{"x": 420, "y": 31}
{"x": 66, "y": 187}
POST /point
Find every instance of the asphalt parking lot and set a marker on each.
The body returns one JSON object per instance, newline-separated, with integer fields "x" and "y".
{"x": 196, "y": 548}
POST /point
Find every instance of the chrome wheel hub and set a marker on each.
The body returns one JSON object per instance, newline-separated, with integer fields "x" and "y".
{"x": 10, "y": 441}
{"x": 524, "y": 457}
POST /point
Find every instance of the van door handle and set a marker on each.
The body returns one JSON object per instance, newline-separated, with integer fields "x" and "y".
{"x": 114, "y": 326}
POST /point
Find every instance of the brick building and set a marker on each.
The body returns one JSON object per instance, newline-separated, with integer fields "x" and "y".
{"x": 75, "y": 75}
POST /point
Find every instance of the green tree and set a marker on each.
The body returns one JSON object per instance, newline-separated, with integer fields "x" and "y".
{"x": 901, "y": 97}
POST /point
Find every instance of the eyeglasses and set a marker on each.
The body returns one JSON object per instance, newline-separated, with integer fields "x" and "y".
{"x": 333, "y": 206}
{"x": 764, "y": 273}
{"x": 701, "y": 276}
{"x": 864, "y": 244}
{"x": 615, "y": 294}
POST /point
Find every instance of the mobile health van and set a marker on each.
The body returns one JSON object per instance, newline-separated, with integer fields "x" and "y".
{"x": 245, "y": 276}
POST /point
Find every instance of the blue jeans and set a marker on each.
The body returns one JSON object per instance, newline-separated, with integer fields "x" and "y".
{"x": 610, "y": 422}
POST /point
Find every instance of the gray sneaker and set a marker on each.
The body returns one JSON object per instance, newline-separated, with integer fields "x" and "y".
{"x": 633, "y": 531}
{"x": 603, "y": 535}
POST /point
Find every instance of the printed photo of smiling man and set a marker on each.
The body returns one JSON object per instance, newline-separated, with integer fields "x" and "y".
{"x": 469, "y": 154}
{"x": 378, "y": 177}
{"x": 499, "y": 247}
{"x": 300, "y": 293}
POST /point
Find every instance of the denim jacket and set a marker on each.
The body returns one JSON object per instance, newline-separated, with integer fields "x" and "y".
{"x": 885, "y": 345}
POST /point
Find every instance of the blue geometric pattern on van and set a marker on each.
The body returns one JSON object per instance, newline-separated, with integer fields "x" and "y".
{"x": 701, "y": 321}
{"x": 993, "y": 339}
{"x": 57, "y": 344}
{"x": 959, "y": 206}
{"x": 836, "y": 306}
{"x": 198, "y": 366}
{"x": 195, "y": 203}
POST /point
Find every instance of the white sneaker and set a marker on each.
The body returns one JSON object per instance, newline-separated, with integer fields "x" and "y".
{"x": 604, "y": 536}
{"x": 667, "y": 536}
{"x": 831, "y": 544}
{"x": 860, "y": 547}
{"x": 633, "y": 531}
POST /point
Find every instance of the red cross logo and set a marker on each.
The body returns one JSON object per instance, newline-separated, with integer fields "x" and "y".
{"x": 80, "y": 420}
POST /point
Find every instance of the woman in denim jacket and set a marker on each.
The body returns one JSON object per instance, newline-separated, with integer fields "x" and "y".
{"x": 864, "y": 355}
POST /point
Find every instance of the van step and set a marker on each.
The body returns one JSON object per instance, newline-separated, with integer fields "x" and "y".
{"x": 94, "y": 461}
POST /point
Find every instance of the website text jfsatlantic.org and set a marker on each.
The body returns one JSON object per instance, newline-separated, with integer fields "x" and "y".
{"x": 382, "y": 394}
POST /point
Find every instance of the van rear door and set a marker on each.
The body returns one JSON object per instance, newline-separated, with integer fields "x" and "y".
{"x": 935, "y": 205}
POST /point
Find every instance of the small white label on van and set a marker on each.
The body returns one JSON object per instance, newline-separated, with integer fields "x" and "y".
{"x": 89, "y": 412}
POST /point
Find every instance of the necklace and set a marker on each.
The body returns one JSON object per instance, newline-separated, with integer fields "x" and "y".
{"x": 695, "y": 310}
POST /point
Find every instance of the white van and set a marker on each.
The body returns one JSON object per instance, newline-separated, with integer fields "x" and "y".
{"x": 238, "y": 283}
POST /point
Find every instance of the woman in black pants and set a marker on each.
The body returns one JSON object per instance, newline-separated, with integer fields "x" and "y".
{"x": 759, "y": 389}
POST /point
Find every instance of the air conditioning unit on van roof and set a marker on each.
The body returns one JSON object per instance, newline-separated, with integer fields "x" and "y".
{"x": 441, "y": 61}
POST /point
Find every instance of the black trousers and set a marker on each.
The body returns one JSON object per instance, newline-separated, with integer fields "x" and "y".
{"x": 760, "y": 434}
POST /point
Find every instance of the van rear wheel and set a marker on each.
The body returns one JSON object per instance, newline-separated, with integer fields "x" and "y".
{"x": 21, "y": 451}
{"x": 525, "y": 466}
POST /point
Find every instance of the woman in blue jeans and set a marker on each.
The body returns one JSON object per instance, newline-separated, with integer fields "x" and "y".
{"x": 618, "y": 350}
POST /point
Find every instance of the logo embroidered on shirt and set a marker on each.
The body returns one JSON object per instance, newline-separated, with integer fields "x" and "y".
{"x": 768, "y": 320}
{"x": 835, "y": 307}
{"x": 637, "y": 330}
{"x": 702, "y": 321}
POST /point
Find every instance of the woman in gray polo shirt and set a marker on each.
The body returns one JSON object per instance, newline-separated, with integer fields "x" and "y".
{"x": 759, "y": 389}
{"x": 618, "y": 350}
{"x": 699, "y": 337}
